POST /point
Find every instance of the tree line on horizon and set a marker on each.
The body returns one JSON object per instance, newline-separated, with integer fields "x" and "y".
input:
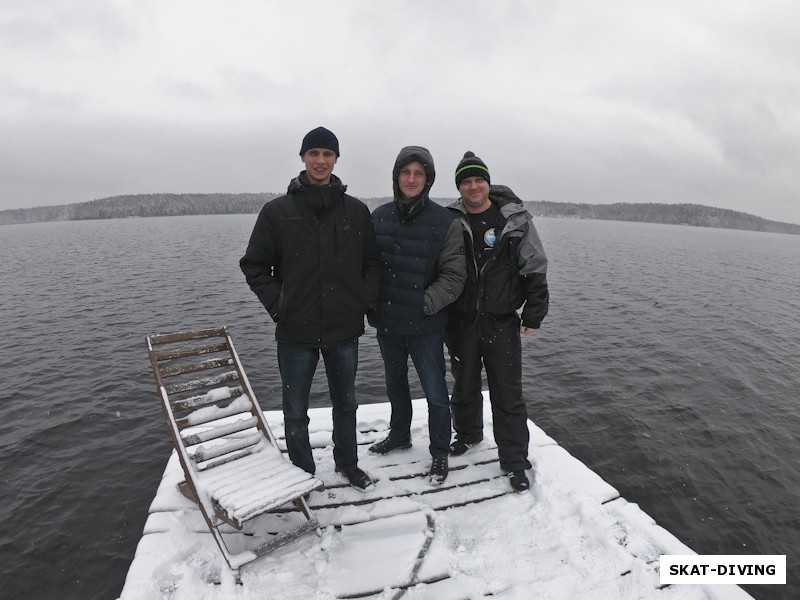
{"x": 167, "y": 205}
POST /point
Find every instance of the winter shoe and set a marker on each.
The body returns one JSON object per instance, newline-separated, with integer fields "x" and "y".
{"x": 439, "y": 470}
{"x": 519, "y": 481}
{"x": 357, "y": 478}
{"x": 459, "y": 447}
{"x": 390, "y": 444}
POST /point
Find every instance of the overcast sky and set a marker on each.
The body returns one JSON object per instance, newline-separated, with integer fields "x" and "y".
{"x": 568, "y": 101}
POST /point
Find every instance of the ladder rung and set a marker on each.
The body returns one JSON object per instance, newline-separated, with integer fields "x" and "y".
{"x": 194, "y": 351}
{"x": 201, "y": 383}
{"x": 203, "y": 400}
{"x": 236, "y": 407}
{"x": 211, "y": 464}
{"x": 194, "y": 367}
{"x": 203, "y": 453}
{"x": 183, "y": 336}
{"x": 220, "y": 431}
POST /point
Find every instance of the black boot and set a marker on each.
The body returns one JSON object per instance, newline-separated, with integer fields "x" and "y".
{"x": 357, "y": 478}
{"x": 459, "y": 447}
{"x": 439, "y": 470}
{"x": 390, "y": 444}
{"x": 519, "y": 481}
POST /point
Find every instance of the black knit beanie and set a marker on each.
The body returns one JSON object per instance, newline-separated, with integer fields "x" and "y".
{"x": 320, "y": 138}
{"x": 471, "y": 166}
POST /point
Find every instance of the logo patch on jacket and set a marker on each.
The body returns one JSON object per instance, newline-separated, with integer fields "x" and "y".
{"x": 489, "y": 238}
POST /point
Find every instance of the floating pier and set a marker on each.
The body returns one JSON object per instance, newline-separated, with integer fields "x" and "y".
{"x": 571, "y": 536}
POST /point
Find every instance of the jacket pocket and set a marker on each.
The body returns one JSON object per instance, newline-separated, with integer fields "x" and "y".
{"x": 502, "y": 289}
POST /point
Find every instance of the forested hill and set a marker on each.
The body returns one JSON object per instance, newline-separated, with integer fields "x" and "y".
{"x": 696, "y": 215}
{"x": 141, "y": 205}
{"x": 161, "y": 205}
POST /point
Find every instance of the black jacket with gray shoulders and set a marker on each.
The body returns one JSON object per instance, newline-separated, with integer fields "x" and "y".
{"x": 515, "y": 274}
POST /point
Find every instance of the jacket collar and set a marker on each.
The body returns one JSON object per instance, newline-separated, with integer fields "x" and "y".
{"x": 301, "y": 182}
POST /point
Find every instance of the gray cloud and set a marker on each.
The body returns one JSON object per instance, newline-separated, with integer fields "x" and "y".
{"x": 578, "y": 102}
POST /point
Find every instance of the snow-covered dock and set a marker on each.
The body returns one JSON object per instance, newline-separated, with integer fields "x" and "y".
{"x": 571, "y": 537}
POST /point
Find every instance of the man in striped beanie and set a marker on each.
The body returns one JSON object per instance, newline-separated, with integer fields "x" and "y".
{"x": 506, "y": 271}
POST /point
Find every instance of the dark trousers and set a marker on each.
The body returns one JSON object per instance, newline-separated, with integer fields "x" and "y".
{"x": 427, "y": 353}
{"x": 492, "y": 342}
{"x": 297, "y": 365}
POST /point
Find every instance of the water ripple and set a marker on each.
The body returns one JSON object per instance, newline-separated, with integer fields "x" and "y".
{"x": 668, "y": 364}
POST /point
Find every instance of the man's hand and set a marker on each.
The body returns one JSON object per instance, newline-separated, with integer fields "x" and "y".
{"x": 527, "y": 330}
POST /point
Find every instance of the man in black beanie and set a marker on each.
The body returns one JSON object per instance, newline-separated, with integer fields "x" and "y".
{"x": 506, "y": 271}
{"x": 314, "y": 264}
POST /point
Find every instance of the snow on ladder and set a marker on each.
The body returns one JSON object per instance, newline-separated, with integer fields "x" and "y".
{"x": 234, "y": 469}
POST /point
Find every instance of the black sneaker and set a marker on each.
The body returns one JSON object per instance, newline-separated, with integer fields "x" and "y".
{"x": 439, "y": 470}
{"x": 519, "y": 481}
{"x": 357, "y": 478}
{"x": 389, "y": 445}
{"x": 459, "y": 447}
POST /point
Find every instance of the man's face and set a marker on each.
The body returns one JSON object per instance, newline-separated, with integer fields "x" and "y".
{"x": 319, "y": 165}
{"x": 412, "y": 179}
{"x": 475, "y": 193}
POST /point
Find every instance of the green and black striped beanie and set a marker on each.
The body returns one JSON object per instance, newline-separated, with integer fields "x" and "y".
{"x": 471, "y": 166}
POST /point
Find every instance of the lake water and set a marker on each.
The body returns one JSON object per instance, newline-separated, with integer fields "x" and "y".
{"x": 668, "y": 364}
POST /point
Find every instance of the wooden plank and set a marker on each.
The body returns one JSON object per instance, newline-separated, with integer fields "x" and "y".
{"x": 420, "y": 470}
{"x": 202, "y": 383}
{"x": 188, "y": 493}
{"x": 184, "y": 336}
{"x": 211, "y": 464}
{"x": 161, "y": 355}
{"x": 208, "y": 453}
{"x": 412, "y": 578}
{"x": 399, "y": 590}
{"x": 286, "y": 537}
{"x": 323, "y": 503}
{"x": 214, "y": 363}
{"x": 201, "y": 418}
{"x": 217, "y": 432}
{"x": 200, "y": 401}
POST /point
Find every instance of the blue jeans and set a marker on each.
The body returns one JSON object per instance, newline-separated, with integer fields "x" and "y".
{"x": 297, "y": 365}
{"x": 427, "y": 353}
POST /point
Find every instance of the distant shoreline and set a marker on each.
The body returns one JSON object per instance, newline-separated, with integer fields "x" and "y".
{"x": 164, "y": 205}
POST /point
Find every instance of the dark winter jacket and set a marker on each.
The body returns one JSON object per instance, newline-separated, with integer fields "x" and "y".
{"x": 515, "y": 274}
{"x": 313, "y": 262}
{"x": 422, "y": 257}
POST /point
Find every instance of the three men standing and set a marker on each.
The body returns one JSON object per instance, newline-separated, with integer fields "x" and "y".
{"x": 423, "y": 271}
{"x": 506, "y": 271}
{"x": 313, "y": 262}
{"x": 319, "y": 262}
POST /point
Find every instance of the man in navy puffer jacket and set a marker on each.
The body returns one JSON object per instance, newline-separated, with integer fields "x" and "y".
{"x": 423, "y": 271}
